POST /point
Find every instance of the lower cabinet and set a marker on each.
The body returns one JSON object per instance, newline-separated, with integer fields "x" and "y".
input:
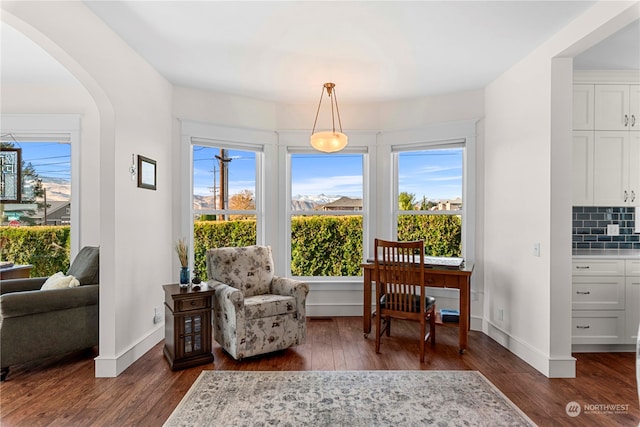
{"x": 605, "y": 301}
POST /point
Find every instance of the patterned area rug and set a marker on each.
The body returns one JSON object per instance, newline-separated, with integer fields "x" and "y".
{"x": 345, "y": 398}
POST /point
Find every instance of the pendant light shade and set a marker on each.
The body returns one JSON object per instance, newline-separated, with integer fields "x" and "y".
{"x": 329, "y": 141}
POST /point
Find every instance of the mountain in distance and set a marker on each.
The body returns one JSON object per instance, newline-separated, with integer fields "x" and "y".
{"x": 58, "y": 189}
{"x": 298, "y": 202}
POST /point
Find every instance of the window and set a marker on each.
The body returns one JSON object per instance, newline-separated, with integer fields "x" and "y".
{"x": 429, "y": 197}
{"x": 46, "y": 185}
{"x": 225, "y": 199}
{"x": 326, "y": 213}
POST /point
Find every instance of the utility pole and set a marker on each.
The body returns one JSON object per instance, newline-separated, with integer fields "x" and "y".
{"x": 224, "y": 176}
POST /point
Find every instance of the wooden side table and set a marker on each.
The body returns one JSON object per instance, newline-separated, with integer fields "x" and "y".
{"x": 16, "y": 272}
{"x": 187, "y": 326}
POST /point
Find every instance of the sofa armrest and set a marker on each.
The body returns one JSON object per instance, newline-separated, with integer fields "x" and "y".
{"x": 291, "y": 287}
{"x": 20, "y": 285}
{"x": 31, "y": 302}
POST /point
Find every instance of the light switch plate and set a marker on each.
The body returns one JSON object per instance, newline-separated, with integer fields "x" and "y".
{"x": 613, "y": 230}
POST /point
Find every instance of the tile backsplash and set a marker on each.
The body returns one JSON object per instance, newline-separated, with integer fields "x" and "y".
{"x": 590, "y": 227}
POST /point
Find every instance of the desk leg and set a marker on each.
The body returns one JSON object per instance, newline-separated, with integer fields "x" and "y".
{"x": 465, "y": 313}
{"x": 366, "y": 303}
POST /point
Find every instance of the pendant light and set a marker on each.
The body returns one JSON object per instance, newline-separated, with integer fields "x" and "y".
{"x": 329, "y": 141}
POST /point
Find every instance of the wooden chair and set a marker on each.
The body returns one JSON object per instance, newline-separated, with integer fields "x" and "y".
{"x": 400, "y": 289}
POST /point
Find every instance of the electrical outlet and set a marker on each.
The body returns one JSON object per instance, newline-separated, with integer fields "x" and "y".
{"x": 500, "y": 314}
{"x": 157, "y": 315}
{"x": 613, "y": 230}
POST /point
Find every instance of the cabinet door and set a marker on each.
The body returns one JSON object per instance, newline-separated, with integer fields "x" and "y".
{"x": 582, "y": 168}
{"x": 612, "y": 107}
{"x": 610, "y": 168}
{"x": 634, "y": 107}
{"x": 634, "y": 171}
{"x": 583, "y": 105}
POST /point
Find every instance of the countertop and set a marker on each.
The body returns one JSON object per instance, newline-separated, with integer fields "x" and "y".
{"x": 607, "y": 253}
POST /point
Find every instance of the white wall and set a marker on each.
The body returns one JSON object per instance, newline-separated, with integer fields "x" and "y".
{"x": 134, "y": 106}
{"x": 527, "y": 189}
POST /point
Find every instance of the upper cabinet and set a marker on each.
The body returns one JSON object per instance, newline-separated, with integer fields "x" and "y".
{"x": 583, "y": 105}
{"x": 606, "y": 141}
{"x": 617, "y": 107}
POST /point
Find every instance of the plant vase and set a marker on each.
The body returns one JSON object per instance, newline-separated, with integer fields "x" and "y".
{"x": 184, "y": 277}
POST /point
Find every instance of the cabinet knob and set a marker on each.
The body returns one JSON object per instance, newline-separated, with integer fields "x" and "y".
{"x": 582, "y": 267}
{"x": 626, "y": 195}
{"x": 633, "y": 196}
{"x": 582, "y": 327}
{"x": 583, "y": 292}
{"x": 626, "y": 120}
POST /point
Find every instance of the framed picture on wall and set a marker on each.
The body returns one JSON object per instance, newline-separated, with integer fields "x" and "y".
{"x": 146, "y": 173}
{"x": 11, "y": 175}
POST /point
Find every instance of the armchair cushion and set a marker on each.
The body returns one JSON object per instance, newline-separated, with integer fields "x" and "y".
{"x": 259, "y": 306}
{"x": 249, "y": 268}
{"x": 86, "y": 266}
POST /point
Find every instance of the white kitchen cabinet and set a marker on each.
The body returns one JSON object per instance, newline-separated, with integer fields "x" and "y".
{"x": 583, "y": 107}
{"x": 605, "y": 301}
{"x": 582, "y": 170}
{"x": 616, "y": 168}
{"x": 617, "y": 107}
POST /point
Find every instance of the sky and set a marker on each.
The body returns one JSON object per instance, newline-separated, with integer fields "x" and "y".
{"x": 50, "y": 159}
{"x": 434, "y": 174}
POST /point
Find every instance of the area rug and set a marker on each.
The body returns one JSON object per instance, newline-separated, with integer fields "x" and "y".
{"x": 345, "y": 398}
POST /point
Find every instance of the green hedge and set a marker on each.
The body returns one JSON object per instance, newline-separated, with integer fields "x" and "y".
{"x": 219, "y": 234}
{"x": 442, "y": 234}
{"x": 47, "y": 248}
{"x": 326, "y": 246}
{"x": 320, "y": 245}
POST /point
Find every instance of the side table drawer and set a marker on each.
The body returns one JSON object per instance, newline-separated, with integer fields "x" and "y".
{"x": 598, "y": 293}
{"x": 191, "y": 304}
{"x": 597, "y": 327}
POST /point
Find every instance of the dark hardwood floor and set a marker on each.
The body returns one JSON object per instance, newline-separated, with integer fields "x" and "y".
{"x": 64, "y": 391}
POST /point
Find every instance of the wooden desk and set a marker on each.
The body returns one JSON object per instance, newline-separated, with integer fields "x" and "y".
{"x": 434, "y": 277}
{"x": 15, "y": 272}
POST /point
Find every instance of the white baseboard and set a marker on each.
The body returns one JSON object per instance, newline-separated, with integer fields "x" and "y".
{"x": 112, "y": 366}
{"x": 551, "y": 367}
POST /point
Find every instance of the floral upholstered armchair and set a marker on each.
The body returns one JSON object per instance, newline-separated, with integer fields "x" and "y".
{"x": 254, "y": 311}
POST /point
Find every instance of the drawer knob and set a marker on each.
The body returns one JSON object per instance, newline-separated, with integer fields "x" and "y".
{"x": 583, "y": 292}
{"x": 582, "y": 327}
{"x": 193, "y": 303}
{"x": 582, "y": 267}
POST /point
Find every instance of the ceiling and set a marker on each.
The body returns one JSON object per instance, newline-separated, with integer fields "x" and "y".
{"x": 285, "y": 51}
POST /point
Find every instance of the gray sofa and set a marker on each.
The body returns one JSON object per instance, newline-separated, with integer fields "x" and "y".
{"x": 35, "y": 324}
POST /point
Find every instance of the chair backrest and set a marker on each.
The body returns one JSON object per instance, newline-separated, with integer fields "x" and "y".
{"x": 86, "y": 266}
{"x": 399, "y": 275}
{"x": 248, "y": 268}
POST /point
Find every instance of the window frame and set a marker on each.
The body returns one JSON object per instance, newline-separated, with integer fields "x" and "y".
{"x": 201, "y": 134}
{"x": 289, "y": 212}
{"x": 395, "y": 151}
